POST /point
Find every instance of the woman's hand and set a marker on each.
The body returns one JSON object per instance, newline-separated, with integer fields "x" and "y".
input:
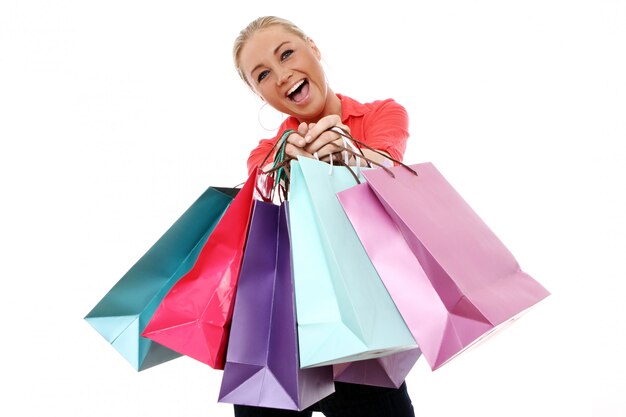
{"x": 315, "y": 140}
{"x": 326, "y": 144}
{"x": 321, "y": 141}
{"x": 296, "y": 144}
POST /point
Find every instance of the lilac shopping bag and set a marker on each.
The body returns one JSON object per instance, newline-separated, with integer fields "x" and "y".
{"x": 452, "y": 279}
{"x": 262, "y": 365}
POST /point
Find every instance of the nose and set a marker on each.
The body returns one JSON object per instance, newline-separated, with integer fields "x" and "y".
{"x": 283, "y": 76}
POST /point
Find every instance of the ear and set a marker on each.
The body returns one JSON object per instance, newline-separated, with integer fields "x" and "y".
{"x": 314, "y": 48}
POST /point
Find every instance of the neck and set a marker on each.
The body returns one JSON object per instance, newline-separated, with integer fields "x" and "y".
{"x": 333, "y": 104}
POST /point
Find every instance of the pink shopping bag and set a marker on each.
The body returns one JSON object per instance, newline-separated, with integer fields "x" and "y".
{"x": 451, "y": 278}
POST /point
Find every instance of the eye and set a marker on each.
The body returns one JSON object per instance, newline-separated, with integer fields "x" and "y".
{"x": 262, "y": 75}
{"x": 286, "y": 54}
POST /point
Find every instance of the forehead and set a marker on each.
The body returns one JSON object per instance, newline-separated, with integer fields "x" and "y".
{"x": 262, "y": 44}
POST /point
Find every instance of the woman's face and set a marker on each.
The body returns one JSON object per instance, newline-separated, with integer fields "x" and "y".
{"x": 285, "y": 70}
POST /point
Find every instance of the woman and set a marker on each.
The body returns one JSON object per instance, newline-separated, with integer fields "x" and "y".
{"x": 282, "y": 65}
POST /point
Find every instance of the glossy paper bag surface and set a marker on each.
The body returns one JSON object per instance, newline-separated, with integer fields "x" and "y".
{"x": 344, "y": 311}
{"x": 450, "y": 276}
{"x": 262, "y": 366}
{"x": 194, "y": 317}
{"x": 123, "y": 313}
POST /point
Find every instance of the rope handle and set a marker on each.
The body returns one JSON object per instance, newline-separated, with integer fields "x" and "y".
{"x": 282, "y": 141}
{"x": 342, "y": 132}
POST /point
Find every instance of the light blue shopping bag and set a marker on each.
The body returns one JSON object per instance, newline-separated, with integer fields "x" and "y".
{"x": 343, "y": 310}
{"x": 123, "y": 313}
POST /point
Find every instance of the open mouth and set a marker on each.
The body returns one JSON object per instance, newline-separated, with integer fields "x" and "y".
{"x": 299, "y": 91}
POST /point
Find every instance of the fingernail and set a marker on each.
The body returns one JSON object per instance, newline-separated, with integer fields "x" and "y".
{"x": 302, "y": 143}
{"x": 307, "y": 138}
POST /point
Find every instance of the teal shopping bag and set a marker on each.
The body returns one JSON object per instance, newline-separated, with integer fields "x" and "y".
{"x": 344, "y": 311}
{"x": 123, "y": 313}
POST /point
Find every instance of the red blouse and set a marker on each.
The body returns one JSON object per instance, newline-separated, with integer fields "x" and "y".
{"x": 382, "y": 124}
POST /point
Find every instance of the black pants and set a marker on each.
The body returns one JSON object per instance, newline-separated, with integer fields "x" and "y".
{"x": 348, "y": 400}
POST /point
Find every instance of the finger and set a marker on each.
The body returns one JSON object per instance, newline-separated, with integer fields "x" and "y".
{"x": 326, "y": 150}
{"x": 328, "y": 157}
{"x": 322, "y": 125}
{"x": 296, "y": 139}
{"x": 303, "y": 129}
{"x": 295, "y": 151}
{"x": 326, "y": 138}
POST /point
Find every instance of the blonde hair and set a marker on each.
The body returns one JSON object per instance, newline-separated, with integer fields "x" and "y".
{"x": 258, "y": 24}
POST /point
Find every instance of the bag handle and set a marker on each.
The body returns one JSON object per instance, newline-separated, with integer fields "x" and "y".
{"x": 280, "y": 167}
{"x": 281, "y": 185}
{"x": 278, "y": 171}
{"x": 282, "y": 141}
{"x": 369, "y": 161}
{"x": 350, "y": 170}
{"x": 342, "y": 132}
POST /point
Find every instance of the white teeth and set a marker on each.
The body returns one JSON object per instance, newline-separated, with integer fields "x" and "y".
{"x": 295, "y": 87}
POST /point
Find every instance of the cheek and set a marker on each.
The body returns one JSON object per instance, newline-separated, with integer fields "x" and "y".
{"x": 268, "y": 95}
{"x": 316, "y": 70}
{"x": 262, "y": 90}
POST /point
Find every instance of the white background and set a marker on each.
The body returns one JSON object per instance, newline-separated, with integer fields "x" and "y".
{"x": 115, "y": 115}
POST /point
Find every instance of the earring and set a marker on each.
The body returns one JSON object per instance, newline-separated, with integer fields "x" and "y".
{"x": 267, "y": 116}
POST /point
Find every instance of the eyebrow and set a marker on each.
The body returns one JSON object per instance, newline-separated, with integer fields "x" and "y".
{"x": 275, "y": 52}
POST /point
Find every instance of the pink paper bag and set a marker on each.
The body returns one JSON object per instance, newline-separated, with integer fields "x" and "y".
{"x": 451, "y": 278}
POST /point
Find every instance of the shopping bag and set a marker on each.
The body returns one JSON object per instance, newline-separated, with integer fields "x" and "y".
{"x": 344, "y": 311}
{"x": 194, "y": 317}
{"x": 262, "y": 366}
{"x": 388, "y": 371}
{"x": 122, "y": 314}
{"x": 449, "y": 275}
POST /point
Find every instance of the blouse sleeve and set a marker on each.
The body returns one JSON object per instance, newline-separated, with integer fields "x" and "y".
{"x": 387, "y": 128}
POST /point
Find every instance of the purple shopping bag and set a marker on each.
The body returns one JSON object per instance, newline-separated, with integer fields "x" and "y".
{"x": 452, "y": 279}
{"x": 262, "y": 365}
{"x": 388, "y": 371}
